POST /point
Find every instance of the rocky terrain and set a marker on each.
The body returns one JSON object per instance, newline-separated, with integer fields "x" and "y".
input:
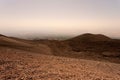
{"x": 22, "y": 65}
{"x": 85, "y": 57}
{"x": 87, "y": 46}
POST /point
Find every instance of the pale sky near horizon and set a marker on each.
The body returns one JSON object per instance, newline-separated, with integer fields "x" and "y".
{"x": 59, "y": 17}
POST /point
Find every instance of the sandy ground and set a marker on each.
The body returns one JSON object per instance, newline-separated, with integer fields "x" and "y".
{"x": 21, "y": 65}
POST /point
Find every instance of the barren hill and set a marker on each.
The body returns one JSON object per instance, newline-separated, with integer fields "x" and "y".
{"x": 86, "y": 46}
{"x": 91, "y": 37}
{"x": 22, "y": 44}
{"x": 7, "y": 41}
{"x": 94, "y": 43}
{"x": 86, "y": 57}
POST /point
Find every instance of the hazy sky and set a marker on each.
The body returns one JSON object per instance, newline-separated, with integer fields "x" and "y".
{"x": 59, "y": 17}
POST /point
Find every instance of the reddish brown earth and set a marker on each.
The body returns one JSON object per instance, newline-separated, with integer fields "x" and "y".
{"x": 94, "y": 43}
{"x": 21, "y": 65}
{"x": 86, "y": 57}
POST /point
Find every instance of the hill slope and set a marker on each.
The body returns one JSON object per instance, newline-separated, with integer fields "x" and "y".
{"x": 94, "y": 43}
{"x": 91, "y": 37}
{"x": 21, "y": 65}
{"x": 86, "y": 46}
{"x": 22, "y": 44}
{"x": 7, "y": 41}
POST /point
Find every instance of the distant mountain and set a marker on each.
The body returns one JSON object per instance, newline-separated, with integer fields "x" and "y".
{"x": 94, "y": 43}
{"x": 91, "y": 37}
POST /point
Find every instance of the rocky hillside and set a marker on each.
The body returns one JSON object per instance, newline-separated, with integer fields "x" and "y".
{"x": 94, "y": 43}
{"x": 86, "y": 46}
{"x": 22, "y": 65}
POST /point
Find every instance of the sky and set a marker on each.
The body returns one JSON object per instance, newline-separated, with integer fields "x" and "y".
{"x": 39, "y": 18}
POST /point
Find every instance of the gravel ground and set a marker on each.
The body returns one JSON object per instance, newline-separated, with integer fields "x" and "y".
{"x": 20, "y": 65}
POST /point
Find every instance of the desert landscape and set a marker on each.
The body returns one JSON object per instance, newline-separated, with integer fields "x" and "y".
{"x": 59, "y": 39}
{"x": 85, "y": 57}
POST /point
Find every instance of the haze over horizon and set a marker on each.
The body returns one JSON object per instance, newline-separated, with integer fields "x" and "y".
{"x": 23, "y": 18}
